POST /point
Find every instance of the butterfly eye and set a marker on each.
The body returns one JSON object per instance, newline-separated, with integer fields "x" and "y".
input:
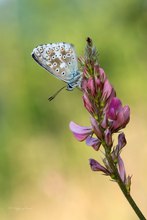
{"x": 73, "y": 58}
{"x": 64, "y": 57}
{"x": 53, "y": 57}
{"x": 69, "y": 63}
{"x": 63, "y": 73}
{"x": 57, "y": 70}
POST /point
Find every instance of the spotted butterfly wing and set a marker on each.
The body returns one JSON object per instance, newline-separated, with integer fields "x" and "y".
{"x": 60, "y": 60}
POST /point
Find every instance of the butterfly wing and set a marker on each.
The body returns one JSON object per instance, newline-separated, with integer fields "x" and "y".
{"x": 59, "y": 59}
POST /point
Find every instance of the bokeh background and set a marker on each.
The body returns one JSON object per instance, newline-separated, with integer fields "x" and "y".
{"x": 44, "y": 171}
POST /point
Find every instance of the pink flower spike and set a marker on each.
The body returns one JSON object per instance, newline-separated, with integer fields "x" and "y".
{"x": 94, "y": 142}
{"x": 96, "y": 166}
{"x": 80, "y": 132}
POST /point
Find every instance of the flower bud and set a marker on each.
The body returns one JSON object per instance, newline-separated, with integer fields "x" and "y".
{"x": 94, "y": 142}
{"x": 91, "y": 86}
{"x": 87, "y": 104}
{"x": 108, "y": 137}
{"x": 98, "y": 85}
{"x": 96, "y": 128}
{"x": 122, "y": 171}
{"x": 107, "y": 90}
{"x": 121, "y": 143}
{"x": 121, "y": 140}
{"x": 96, "y": 166}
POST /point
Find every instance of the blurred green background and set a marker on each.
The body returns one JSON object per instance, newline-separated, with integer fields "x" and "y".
{"x": 44, "y": 171}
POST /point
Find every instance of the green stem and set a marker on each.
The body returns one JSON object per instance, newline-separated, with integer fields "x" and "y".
{"x": 123, "y": 188}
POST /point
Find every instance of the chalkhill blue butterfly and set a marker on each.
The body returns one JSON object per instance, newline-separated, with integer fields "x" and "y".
{"x": 60, "y": 60}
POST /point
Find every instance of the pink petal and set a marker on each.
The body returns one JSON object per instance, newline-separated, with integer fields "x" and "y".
{"x": 91, "y": 86}
{"x": 87, "y": 103}
{"x": 102, "y": 75}
{"x": 115, "y": 105}
{"x": 123, "y": 118}
{"x": 127, "y": 113}
{"x": 94, "y": 142}
{"x": 107, "y": 90}
{"x": 80, "y": 132}
{"x": 104, "y": 122}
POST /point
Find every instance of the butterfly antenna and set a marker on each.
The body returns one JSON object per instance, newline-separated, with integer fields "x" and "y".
{"x": 55, "y": 94}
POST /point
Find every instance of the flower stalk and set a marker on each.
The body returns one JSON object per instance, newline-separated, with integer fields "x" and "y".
{"x": 108, "y": 118}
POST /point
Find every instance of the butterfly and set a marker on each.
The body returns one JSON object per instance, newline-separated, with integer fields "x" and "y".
{"x": 61, "y": 61}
